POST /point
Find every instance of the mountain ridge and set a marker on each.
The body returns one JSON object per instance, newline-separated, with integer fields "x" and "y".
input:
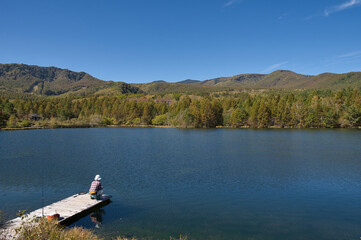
{"x": 286, "y": 79}
{"x": 37, "y": 80}
{"x": 54, "y": 81}
{"x": 280, "y": 79}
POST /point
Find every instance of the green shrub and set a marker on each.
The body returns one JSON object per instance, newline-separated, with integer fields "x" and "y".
{"x": 12, "y": 122}
{"x": 353, "y": 115}
{"x": 160, "y": 119}
{"x": 109, "y": 121}
{"x": 136, "y": 121}
{"x": 25, "y": 123}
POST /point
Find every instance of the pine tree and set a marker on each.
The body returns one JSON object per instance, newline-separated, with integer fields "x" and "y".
{"x": 353, "y": 115}
{"x": 264, "y": 115}
{"x": 253, "y": 114}
{"x": 208, "y": 115}
{"x": 12, "y": 122}
{"x": 239, "y": 118}
{"x": 298, "y": 114}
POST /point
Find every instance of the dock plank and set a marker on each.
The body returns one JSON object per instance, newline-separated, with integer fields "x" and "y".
{"x": 70, "y": 209}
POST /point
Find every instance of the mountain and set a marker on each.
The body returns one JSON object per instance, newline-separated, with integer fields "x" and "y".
{"x": 189, "y": 81}
{"x": 166, "y": 87}
{"x": 159, "y": 81}
{"x": 287, "y": 80}
{"x": 281, "y": 79}
{"x": 22, "y": 78}
{"x": 235, "y": 81}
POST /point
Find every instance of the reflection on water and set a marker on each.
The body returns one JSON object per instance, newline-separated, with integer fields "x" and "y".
{"x": 208, "y": 184}
{"x": 97, "y": 217}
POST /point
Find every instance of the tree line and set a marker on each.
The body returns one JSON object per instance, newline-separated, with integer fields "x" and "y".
{"x": 252, "y": 109}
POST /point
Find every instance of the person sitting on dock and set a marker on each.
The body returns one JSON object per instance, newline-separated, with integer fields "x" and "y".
{"x": 96, "y": 188}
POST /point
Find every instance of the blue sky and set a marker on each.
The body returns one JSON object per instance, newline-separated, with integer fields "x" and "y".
{"x": 173, "y": 40}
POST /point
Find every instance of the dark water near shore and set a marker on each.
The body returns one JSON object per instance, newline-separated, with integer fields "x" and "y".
{"x": 207, "y": 184}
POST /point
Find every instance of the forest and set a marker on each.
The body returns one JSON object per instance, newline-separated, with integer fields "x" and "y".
{"x": 241, "y": 109}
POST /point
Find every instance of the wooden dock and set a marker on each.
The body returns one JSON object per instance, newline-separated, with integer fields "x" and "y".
{"x": 70, "y": 209}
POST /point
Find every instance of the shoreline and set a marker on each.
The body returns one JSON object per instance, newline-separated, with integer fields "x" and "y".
{"x": 158, "y": 126}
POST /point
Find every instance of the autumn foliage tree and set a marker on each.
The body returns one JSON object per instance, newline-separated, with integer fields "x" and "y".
{"x": 291, "y": 109}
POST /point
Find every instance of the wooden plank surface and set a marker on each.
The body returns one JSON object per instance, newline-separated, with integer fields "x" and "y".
{"x": 69, "y": 209}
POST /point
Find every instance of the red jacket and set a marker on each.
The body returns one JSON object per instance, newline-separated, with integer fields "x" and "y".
{"x": 96, "y": 186}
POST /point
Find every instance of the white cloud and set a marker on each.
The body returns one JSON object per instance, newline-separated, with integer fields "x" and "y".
{"x": 346, "y": 58}
{"x": 341, "y": 7}
{"x": 310, "y": 17}
{"x": 355, "y": 54}
{"x": 230, "y": 3}
{"x": 274, "y": 66}
{"x": 283, "y": 16}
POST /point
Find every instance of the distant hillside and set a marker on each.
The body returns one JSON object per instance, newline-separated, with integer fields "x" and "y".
{"x": 159, "y": 81}
{"x": 287, "y": 80}
{"x": 281, "y": 79}
{"x": 23, "y": 78}
{"x": 165, "y": 87}
{"x": 189, "y": 81}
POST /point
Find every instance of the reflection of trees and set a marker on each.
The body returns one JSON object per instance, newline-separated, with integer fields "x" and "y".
{"x": 97, "y": 217}
{"x": 1, "y": 218}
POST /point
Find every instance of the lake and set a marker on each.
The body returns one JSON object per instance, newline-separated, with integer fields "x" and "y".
{"x": 207, "y": 184}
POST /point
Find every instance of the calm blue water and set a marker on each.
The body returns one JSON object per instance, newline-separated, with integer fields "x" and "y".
{"x": 207, "y": 184}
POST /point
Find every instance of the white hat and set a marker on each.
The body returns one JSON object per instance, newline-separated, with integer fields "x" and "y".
{"x": 97, "y": 178}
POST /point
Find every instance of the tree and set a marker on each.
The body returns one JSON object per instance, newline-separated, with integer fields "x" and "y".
{"x": 330, "y": 120}
{"x": 3, "y": 119}
{"x": 9, "y": 108}
{"x": 147, "y": 115}
{"x": 160, "y": 119}
{"x": 353, "y": 115}
{"x": 48, "y": 110}
{"x": 239, "y": 117}
{"x": 218, "y": 111}
{"x": 264, "y": 115}
{"x": 195, "y": 113}
{"x": 282, "y": 116}
{"x": 340, "y": 97}
{"x": 298, "y": 114}
{"x": 12, "y": 122}
{"x": 208, "y": 115}
{"x": 311, "y": 119}
{"x": 25, "y": 123}
{"x": 253, "y": 115}
{"x": 109, "y": 121}
{"x": 315, "y": 115}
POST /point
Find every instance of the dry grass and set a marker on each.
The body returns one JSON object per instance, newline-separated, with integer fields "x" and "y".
{"x": 171, "y": 238}
{"x": 180, "y": 238}
{"x": 124, "y": 238}
{"x": 42, "y": 229}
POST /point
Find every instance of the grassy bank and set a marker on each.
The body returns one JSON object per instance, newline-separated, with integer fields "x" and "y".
{"x": 43, "y": 229}
{"x": 76, "y": 126}
{"x": 151, "y": 126}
